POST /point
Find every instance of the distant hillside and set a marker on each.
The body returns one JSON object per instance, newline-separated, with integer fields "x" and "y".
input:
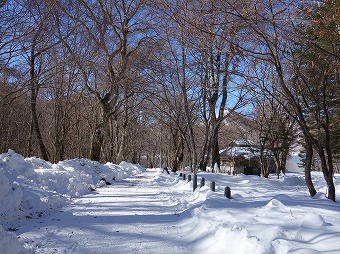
{"x": 237, "y": 127}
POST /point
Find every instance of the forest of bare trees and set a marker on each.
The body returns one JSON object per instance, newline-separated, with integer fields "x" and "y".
{"x": 154, "y": 82}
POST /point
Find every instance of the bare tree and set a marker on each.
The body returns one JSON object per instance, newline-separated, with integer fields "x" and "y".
{"x": 166, "y": 105}
{"x": 218, "y": 62}
{"x": 271, "y": 25}
{"x": 12, "y": 17}
{"x": 182, "y": 52}
{"x": 277, "y": 133}
{"x": 114, "y": 30}
{"x": 64, "y": 95}
{"x": 39, "y": 41}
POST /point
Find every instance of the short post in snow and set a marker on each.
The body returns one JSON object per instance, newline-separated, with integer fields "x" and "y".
{"x": 202, "y": 182}
{"x": 227, "y": 192}
{"x": 180, "y": 174}
{"x": 184, "y": 177}
{"x": 194, "y": 182}
{"x": 212, "y": 186}
{"x": 189, "y": 178}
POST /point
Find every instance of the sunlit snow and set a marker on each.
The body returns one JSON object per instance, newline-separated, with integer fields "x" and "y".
{"x": 66, "y": 208}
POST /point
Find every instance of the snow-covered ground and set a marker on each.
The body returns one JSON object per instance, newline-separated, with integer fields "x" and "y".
{"x": 50, "y": 208}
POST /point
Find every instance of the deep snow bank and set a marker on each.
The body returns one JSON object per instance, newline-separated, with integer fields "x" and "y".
{"x": 32, "y": 186}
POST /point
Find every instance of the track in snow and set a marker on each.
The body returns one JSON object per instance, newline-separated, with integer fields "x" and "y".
{"x": 132, "y": 216}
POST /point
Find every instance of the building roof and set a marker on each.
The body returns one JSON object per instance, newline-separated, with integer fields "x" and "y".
{"x": 242, "y": 148}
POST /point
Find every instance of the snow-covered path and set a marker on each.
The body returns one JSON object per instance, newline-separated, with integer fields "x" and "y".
{"x": 132, "y": 216}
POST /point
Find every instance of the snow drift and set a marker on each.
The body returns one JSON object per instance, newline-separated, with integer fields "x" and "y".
{"x": 32, "y": 186}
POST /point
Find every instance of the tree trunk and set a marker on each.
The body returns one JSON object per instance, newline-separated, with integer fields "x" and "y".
{"x": 60, "y": 131}
{"x": 34, "y": 87}
{"x": 97, "y": 142}
{"x": 330, "y": 182}
{"x": 188, "y": 114}
{"x": 122, "y": 146}
{"x": 30, "y": 139}
{"x": 101, "y": 129}
{"x": 284, "y": 162}
{"x": 308, "y": 167}
{"x": 177, "y": 157}
{"x": 280, "y": 161}
{"x": 98, "y": 136}
{"x": 328, "y": 175}
{"x": 59, "y": 149}
{"x": 278, "y": 164}
{"x": 36, "y": 128}
{"x": 215, "y": 152}
{"x": 265, "y": 170}
{"x": 203, "y": 162}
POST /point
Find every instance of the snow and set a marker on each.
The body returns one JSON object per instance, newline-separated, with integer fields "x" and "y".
{"x": 50, "y": 208}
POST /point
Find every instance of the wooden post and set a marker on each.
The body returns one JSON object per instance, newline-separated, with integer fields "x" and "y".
{"x": 202, "y": 182}
{"x": 184, "y": 177}
{"x": 212, "y": 186}
{"x": 189, "y": 178}
{"x": 227, "y": 192}
{"x": 194, "y": 183}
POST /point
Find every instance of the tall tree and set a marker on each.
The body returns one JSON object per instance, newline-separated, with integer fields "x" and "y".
{"x": 180, "y": 67}
{"x": 318, "y": 79}
{"x": 114, "y": 30}
{"x": 277, "y": 133}
{"x": 271, "y": 24}
{"x": 39, "y": 42}
{"x": 12, "y": 20}
{"x": 219, "y": 62}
